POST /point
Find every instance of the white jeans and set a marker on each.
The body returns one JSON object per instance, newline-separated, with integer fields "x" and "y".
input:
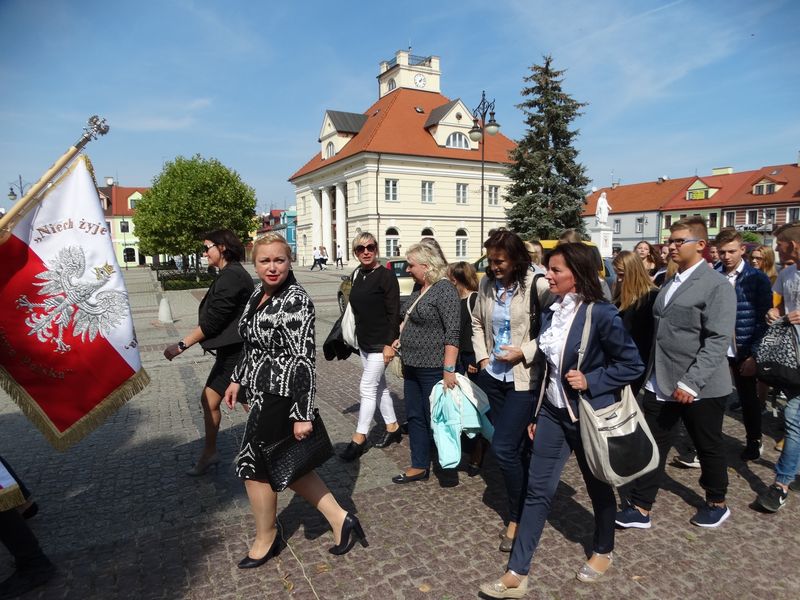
{"x": 373, "y": 386}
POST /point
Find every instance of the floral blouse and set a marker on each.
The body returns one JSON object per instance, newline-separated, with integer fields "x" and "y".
{"x": 279, "y": 350}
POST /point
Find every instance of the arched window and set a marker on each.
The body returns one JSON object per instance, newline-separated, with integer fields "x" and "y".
{"x": 330, "y": 150}
{"x": 457, "y": 140}
{"x": 461, "y": 243}
{"x": 427, "y": 232}
{"x": 390, "y": 85}
{"x": 392, "y": 242}
{"x": 129, "y": 255}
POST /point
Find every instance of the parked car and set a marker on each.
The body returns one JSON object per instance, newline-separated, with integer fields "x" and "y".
{"x": 396, "y": 266}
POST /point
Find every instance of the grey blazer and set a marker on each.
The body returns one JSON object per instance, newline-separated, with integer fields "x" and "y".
{"x": 693, "y": 333}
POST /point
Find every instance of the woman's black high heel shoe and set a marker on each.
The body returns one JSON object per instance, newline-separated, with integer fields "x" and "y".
{"x": 274, "y": 550}
{"x": 353, "y": 451}
{"x": 351, "y": 533}
{"x": 389, "y": 438}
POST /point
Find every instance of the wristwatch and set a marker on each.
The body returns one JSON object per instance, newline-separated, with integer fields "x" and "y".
{"x": 449, "y": 368}
{"x": 181, "y": 345}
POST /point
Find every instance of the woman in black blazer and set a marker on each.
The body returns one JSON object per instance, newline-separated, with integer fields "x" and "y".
{"x": 610, "y": 362}
{"x": 218, "y": 319}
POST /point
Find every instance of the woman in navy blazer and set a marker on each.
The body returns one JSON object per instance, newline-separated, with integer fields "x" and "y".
{"x": 611, "y": 361}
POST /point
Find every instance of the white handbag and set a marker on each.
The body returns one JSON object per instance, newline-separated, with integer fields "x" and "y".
{"x": 349, "y": 328}
{"x": 617, "y": 441}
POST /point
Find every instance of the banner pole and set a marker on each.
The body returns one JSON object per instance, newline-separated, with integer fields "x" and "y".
{"x": 95, "y": 127}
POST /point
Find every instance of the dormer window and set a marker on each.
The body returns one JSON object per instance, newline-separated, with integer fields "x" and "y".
{"x": 391, "y": 84}
{"x": 699, "y": 194}
{"x": 762, "y": 189}
{"x": 457, "y": 140}
{"x": 330, "y": 150}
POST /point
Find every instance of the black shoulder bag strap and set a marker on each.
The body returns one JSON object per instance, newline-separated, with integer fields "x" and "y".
{"x": 536, "y": 308}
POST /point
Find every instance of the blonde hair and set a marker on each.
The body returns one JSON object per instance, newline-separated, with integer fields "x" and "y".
{"x": 272, "y": 238}
{"x": 768, "y": 262}
{"x": 365, "y": 237}
{"x": 635, "y": 284}
{"x": 534, "y": 251}
{"x": 427, "y": 254}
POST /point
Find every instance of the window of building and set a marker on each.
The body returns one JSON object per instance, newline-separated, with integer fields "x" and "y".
{"x": 108, "y": 226}
{"x": 132, "y": 203}
{"x": 712, "y": 220}
{"x": 129, "y": 255}
{"x": 752, "y": 217}
{"x": 462, "y": 192}
{"x": 667, "y": 221}
{"x": 770, "y": 188}
{"x": 391, "y": 84}
{"x": 124, "y": 227}
{"x": 358, "y": 191}
{"x": 617, "y": 225}
{"x": 792, "y": 214}
{"x": 683, "y": 216}
{"x": 461, "y": 243}
{"x": 729, "y": 218}
{"x": 392, "y": 242}
{"x": 700, "y": 194}
{"x": 494, "y": 195}
{"x": 427, "y": 191}
{"x": 457, "y": 140}
{"x": 427, "y": 232}
{"x": 639, "y": 224}
{"x": 390, "y": 190}
{"x": 330, "y": 150}
{"x": 769, "y": 216}
{"x": 763, "y": 188}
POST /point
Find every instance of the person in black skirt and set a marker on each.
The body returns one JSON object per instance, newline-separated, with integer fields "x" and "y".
{"x": 277, "y": 371}
{"x": 217, "y": 333}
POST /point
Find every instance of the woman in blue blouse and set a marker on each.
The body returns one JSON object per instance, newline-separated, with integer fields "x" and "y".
{"x": 611, "y": 361}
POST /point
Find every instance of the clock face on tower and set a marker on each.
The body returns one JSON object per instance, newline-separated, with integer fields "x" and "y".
{"x": 419, "y": 80}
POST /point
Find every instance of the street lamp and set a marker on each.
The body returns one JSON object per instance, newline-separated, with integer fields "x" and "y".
{"x": 12, "y": 195}
{"x": 479, "y": 125}
{"x": 123, "y": 226}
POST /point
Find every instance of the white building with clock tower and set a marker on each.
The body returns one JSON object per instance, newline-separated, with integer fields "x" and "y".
{"x": 403, "y": 169}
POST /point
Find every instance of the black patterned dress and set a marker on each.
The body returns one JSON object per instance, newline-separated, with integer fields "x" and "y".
{"x": 276, "y": 370}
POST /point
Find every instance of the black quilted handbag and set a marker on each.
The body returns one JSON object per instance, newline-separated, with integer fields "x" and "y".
{"x": 776, "y": 356}
{"x": 287, "y": 460}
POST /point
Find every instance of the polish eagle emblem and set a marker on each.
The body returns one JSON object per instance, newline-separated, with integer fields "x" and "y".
{"x": 72, "y": 299}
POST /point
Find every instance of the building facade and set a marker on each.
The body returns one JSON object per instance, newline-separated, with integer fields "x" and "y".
{"x": 403, "y": 169}
{"x": 119, "y": 206}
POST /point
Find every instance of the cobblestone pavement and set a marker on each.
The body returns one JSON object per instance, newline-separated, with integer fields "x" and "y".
{"x": 121, "y": 519}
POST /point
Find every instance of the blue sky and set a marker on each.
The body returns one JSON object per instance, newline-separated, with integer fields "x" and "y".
{"x": 673, "y": 88}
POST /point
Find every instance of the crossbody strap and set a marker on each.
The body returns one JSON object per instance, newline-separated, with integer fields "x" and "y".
{"x": 410, "y": 308}
{"x": 585, "y": 337}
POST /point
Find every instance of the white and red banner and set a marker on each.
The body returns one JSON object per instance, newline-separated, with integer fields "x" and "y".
{"x": 10, "y": 492}
{"x": 68, "y": 350}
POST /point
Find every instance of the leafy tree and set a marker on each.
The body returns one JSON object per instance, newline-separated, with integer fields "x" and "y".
{"x": 189, "y": 197}
{"x": 548, "y": 186}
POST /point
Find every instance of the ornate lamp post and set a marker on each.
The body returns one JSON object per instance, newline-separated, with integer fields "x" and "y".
{"x": 12, "y": 195}
{"x": 479, "y": 126}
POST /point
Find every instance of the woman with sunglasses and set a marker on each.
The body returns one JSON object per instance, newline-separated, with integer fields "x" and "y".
{"x": 216, "y": 332}
{"x": 375, "y": 302}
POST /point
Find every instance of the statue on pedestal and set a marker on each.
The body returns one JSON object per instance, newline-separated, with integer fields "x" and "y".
{"x": 603, "y": 208}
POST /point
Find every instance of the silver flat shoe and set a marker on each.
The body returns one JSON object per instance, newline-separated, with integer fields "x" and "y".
{"x": 497, "y": 589}
{"x": 587, "y": 574}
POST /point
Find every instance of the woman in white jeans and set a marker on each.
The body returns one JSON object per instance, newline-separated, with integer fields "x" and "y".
{"x": 375, "y": 301}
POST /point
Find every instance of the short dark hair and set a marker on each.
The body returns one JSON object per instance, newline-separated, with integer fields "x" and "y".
{"x": 510, "y": 243}
{"x": 234, "y": 250}
{"x": 697, "y": 225}
{"x": 726, "y": 236}
{"x": 581, "y": 261}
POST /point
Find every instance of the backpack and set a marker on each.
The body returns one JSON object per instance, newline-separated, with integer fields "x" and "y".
{"x": 776, "y": 356}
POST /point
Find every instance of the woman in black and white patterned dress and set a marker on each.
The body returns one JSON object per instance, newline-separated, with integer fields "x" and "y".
{"x": 278, "y": 374}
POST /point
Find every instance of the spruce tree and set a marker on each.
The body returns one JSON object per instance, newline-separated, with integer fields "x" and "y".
{"x": 548, "y": 186}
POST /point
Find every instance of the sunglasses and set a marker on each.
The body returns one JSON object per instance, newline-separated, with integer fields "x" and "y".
{"x": 207, "y": 248}
{"x": 680, "y": 241}
{"x": 369, "y": 248}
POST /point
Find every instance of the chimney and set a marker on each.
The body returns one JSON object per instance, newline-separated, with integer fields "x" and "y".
{"x": 722, "y": 171}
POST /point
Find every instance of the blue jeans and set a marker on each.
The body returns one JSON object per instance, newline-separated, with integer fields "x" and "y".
{"x": 511, "y": 411}
{"x": 417, "y": 387}
{"x": 786, "y": 467}
{"x": 556, "y": 438}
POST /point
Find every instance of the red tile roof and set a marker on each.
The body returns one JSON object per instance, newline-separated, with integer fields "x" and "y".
{"x": 394, "y": 126}
{"x": 727, "y": 186}
{"x": 119, "y": 199}
{"x": 638, "y": 197}
{"x": 788, "y": 175}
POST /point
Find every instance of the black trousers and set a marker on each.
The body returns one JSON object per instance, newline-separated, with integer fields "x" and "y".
{"x": 703, "y": 421}
{"x": 20, "y": 541}
{"x": 748, "y": 397}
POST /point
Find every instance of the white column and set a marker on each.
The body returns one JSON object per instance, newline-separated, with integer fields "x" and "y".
{"x": 327, "y": 217}
{"x": 341, "y": 218}
{"x": 316, "y": 222}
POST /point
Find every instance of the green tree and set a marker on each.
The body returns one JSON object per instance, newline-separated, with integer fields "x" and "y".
{"x": 189, "y": 197}
{"x": 548, "y": 186}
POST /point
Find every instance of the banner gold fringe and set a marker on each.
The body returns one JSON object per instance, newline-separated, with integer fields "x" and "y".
{"x": 88, "y": 423}
{"x": 11, "y": 498}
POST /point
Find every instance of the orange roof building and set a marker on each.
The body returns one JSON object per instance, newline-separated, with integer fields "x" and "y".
{"x": 403, "y": 169}
{"x": 758, "y": 200}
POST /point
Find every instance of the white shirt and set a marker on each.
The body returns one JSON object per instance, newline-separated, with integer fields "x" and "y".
{"x": 733, "y": 276}
{"x": 551, "y": 343}
{"x": 652, "y": 384}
